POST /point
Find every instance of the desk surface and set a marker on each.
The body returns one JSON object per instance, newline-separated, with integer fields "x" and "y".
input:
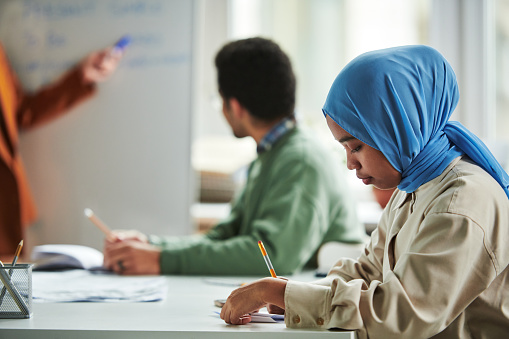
{"x": 187, "y": 312}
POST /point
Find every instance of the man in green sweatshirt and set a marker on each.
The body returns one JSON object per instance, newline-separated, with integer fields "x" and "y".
{"x": 295, "y": 198}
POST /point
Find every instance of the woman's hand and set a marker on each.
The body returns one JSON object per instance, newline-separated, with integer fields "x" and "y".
{"x": 100, "y": 65}
{"x": 273, "y": 309}
{"x": 251, "y": 298}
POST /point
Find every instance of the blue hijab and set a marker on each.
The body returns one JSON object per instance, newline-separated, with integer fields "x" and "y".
{"x": 399, "y": 101}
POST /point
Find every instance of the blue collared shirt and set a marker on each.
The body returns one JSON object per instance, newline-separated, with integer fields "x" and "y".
{"x": 280, "y": 129}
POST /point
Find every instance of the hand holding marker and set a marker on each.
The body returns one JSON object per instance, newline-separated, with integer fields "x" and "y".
{"x": 99, "y": 65}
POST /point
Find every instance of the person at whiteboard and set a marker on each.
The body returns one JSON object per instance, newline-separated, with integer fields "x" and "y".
{"x": 295, "y": 198}
{"x": 437, "y": 265}
{"x": 22, "y": 110}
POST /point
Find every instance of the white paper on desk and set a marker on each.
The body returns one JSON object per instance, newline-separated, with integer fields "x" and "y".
{"x": 263, "y": 317}
{"x": 82, "y": 285}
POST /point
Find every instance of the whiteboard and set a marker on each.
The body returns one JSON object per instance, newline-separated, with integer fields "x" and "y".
{"x": 126, "y": 152}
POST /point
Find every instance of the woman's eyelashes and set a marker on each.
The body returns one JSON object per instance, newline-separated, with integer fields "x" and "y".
{"x": 351, "y": 147}
{"x": 356, "y": 149}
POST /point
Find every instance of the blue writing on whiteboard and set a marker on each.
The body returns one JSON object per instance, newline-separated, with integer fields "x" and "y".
{"x": 58, "y": 11}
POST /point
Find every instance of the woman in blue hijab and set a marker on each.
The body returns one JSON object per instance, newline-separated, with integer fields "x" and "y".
{"x": 437, "y": 264}
{"x": 399, "y": 101}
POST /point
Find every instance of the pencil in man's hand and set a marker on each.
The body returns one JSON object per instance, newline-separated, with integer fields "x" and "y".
{"x": 98, "y": 222}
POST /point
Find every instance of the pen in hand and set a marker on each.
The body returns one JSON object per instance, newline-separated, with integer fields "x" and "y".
{"x": 267, "y": 259}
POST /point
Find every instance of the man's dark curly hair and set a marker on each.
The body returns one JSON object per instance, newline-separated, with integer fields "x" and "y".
{"x": 259, "y": 75}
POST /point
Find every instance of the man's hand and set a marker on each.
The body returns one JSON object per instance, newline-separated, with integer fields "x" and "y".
{"x": 123, "y": 235}
{"x": 131, "y": 255}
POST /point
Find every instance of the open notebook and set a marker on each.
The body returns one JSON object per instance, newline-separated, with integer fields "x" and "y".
{"x": 62, "y": 256}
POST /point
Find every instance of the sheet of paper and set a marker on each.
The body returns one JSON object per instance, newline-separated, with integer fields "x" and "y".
{"x": 263, "y": 317}
{"x": 83, "y": 285}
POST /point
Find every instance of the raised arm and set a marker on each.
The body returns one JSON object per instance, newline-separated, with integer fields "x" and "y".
{"x": 73, "y": 87}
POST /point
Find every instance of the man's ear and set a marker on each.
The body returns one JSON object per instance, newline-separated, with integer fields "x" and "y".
{"x": 237, "y": 109}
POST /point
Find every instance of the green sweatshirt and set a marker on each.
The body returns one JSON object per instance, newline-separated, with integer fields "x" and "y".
{"x": 295, "y": 199}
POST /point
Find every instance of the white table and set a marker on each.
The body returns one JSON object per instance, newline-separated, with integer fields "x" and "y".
{"x": 187, "y": 312}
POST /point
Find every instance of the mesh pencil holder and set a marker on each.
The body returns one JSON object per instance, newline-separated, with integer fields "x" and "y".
{"x": 16, "y": 291}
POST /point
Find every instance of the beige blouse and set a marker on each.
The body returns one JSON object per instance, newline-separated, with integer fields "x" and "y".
{"x": 435, "y": 266}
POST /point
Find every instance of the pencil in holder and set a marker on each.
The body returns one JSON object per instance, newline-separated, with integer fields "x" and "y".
{"x": 16, "y": 291}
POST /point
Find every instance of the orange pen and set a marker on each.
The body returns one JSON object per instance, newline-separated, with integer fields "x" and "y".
{"x": 267, "y": 259}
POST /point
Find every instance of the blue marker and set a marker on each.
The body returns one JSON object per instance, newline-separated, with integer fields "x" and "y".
{"x": 121, "y": 44}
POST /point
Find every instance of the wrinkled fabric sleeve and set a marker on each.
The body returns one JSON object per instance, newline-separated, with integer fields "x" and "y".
{"x": 289, "y": 220}
{"x": 52, "y": 100}
{"x": 446, "y": 267}
{"x": 225, "y": 229}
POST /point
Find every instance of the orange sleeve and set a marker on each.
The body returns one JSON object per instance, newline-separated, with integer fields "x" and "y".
{"x": 54, "y": 99}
